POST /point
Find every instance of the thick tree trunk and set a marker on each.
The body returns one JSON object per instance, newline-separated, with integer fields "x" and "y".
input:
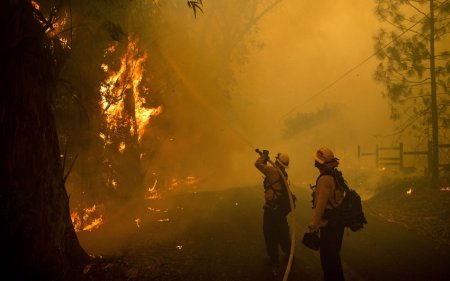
{"x": 38, "y": 237}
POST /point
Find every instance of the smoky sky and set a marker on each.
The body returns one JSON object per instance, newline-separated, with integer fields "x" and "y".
{"x": 295, "y": 50}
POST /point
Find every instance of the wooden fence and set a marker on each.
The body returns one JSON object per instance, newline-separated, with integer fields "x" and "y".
{"x": 382, "y": 159}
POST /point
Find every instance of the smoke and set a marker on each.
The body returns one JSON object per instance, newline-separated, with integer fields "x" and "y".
{"x": 229, "y": 81}
{"x": 234, "y": 88}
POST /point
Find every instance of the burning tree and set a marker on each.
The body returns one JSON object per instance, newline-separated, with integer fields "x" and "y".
{"x": 39, "y": 240}
{"x": 102, "y": 110}
{"x": 126, "y": 114}
{"x": 106, "y": 100}
{"x": 415, "y": 66}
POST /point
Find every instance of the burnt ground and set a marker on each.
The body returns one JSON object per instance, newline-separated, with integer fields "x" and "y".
{"x": 218, "y": 236}
{"x": 424, "y": 210}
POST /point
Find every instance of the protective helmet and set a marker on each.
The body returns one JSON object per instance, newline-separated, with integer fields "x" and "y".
{"x": 324, "y": 155}
{"x": 283, "y": 160}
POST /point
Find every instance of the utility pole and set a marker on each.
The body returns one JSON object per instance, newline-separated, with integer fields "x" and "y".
{"x": 434, "y": 112}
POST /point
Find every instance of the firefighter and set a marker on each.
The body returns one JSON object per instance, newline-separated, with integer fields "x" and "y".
{"x": 326, "y": 197}
{"x": 276, "y": 206}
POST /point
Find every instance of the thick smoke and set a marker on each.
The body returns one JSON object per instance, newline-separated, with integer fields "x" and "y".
{"x": 245, "y": 75}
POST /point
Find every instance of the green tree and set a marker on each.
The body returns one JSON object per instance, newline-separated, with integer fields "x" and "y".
{"x": 414, "y": 52}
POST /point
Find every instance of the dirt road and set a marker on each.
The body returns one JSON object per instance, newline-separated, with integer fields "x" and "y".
{"x": 218, "y": 236}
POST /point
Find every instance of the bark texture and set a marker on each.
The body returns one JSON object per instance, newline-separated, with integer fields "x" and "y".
{"x": 39, "y": 242}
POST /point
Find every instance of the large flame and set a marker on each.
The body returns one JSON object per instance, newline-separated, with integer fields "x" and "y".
{"x": 122, "y": 83}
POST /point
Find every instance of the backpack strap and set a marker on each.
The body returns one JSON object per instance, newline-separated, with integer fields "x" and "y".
{"x": 334, "y": 173}
{"x": 271, "y": 184}
{"x": 277, "y": 193}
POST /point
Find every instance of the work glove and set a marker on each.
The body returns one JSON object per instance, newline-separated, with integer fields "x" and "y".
{"x": 265, "y": 155}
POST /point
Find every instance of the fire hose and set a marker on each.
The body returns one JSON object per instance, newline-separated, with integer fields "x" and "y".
{"x": 291, "y": 218}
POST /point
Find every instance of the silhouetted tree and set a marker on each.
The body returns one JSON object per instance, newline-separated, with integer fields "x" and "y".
{"x": 305, "y": 122}
{"x": 415, "y": 67}
{"x": 39, "y": 241}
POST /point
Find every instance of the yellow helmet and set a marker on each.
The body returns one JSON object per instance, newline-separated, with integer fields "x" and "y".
{"x": 283, "y": 160}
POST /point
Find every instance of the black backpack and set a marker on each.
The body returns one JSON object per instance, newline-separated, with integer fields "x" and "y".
{"x": 350, "y": 212}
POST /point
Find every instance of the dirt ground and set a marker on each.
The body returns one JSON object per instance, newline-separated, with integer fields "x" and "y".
{"x": 223, "y": 242}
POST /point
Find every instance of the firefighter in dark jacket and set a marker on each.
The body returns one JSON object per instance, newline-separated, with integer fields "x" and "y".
{"x": 276, "y": 207}
{"x": 328, "y": 195}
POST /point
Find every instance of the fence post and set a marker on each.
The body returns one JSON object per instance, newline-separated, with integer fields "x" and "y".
{"x": 376, "y": 156}
{"x": 401, "y": 156}
{"x": 359, "y": 153}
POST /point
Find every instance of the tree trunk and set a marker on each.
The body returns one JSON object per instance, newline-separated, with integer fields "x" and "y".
{"x": 434, "y": 113}
{"x": 38, "y": 236}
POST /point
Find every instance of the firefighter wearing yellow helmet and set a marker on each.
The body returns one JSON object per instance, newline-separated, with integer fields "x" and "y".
{"x": 276, "y": 206}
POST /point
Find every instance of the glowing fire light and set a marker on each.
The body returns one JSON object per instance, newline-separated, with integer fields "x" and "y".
{"x": 152, "y": 193}
{"x": 35, "y": 5}
{"x": 409, "y": 191}
{"x": 138, "y": 222}
{"x": 57, "y": 26}
{"x": 114, "y": 184}
{"x": 188, "y": 181}
{"x": 163, "y": 220}
{"x": 111, "y": 49}
{"x": 91, "y": 219}
{"x": 445, "y": 188}
{"x": 157, "y": 210}
{"x": 179, "y": 247}
{"x": 122, "y": 84}
{"x": 94, "y": 224}
{"x": 122, "y": 147}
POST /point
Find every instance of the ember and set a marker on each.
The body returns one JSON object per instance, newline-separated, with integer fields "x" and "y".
{"x": 157, "y": 210}
{"x": 138, "y": 222}
{"x": 188, "y": 181}
{"x": 152, "y": 193}
{"x": 122, "y": 147}
{"x": 91, "y": 219}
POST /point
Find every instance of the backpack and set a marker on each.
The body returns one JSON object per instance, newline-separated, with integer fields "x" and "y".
{"x": 350, "y": 212}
